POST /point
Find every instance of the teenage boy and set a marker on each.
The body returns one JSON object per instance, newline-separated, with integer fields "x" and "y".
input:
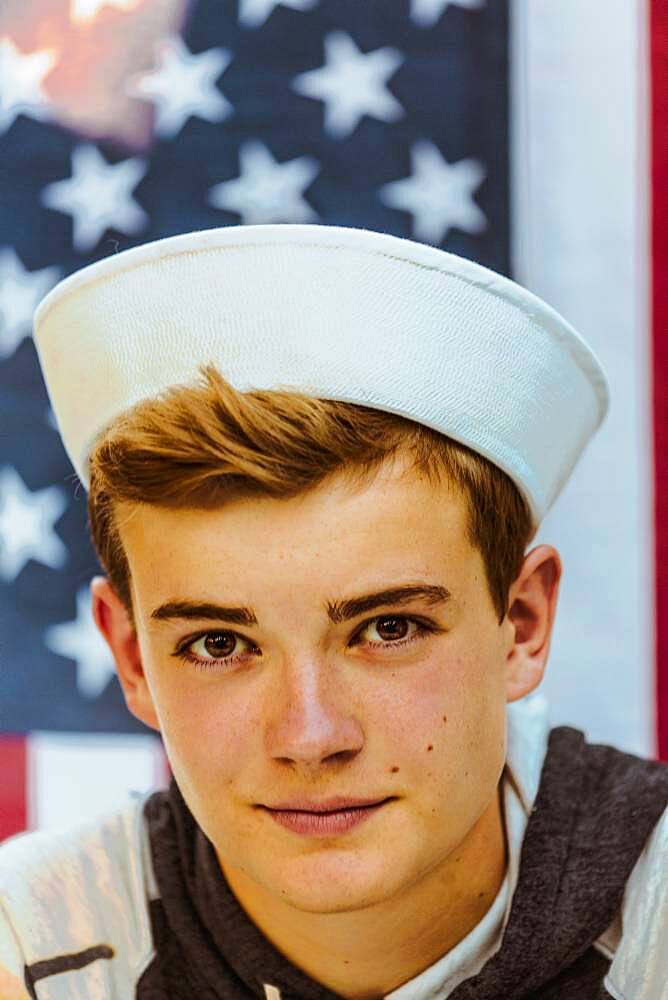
{"x": 315, "y": 457}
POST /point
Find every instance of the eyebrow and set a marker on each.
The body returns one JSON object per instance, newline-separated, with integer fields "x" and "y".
{"x": 337, "y": 611}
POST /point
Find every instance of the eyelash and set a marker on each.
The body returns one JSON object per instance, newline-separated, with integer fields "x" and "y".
{"x": 423, "y": 628}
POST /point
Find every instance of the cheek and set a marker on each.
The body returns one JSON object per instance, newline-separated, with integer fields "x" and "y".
{"x": 441, "y": 698}
{"x": 205, "y": 734}
{"x": 450, "y": 725}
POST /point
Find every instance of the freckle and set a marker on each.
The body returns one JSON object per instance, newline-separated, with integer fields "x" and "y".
{"x": 480, "y": 895}
{"x": 445, "y": 718}
{"x": 430, "y": 747}
{"x": 394, "y": 769}
{"x": 466, "y": 774}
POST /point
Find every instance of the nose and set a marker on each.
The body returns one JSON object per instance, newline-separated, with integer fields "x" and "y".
{"x": 312, "y": 716}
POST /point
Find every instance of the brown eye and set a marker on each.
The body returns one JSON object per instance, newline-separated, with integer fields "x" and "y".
{"x": 212, "y": 650}
{"x": 397, "y": 628}
{"x": 394, "y": 630}
{"x": 218, "y": 644}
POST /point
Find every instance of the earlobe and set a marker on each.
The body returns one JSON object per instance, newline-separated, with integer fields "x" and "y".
{"x": 523, "y": 678}
{"x": 113, "y": 621}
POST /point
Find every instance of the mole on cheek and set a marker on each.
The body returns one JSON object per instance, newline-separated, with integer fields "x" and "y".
{"x": 445, "y": 718}
{"x": 394, "y": 769}
{"x": 430, "y": 747}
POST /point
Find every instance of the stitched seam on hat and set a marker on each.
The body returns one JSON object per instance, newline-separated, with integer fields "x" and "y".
{"x": 573, "y": 349}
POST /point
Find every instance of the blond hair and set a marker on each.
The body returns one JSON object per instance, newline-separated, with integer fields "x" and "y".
{"x": 199, "y": 445}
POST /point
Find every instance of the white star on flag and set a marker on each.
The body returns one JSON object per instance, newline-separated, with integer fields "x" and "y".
{"x": 81, "y": 640}
{"x": 184, "y": 84}
{"x": 98, "y": 196}
{"x": 87, "y": 10}
{"x": 26, "y": 525}
{"x": 21, "y": 78}
{"x": 20, "y": 291}
{"x": 253, "y": 13}
{"x": 427, "y": 12}
{"x": 267, "y": 191}
{"x": 439, "y": 194}
{"x": 352, "y": 84}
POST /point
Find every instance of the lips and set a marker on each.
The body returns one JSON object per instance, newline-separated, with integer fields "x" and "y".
{"x": 325, "y": 824}
{"x": 335, "y": 804}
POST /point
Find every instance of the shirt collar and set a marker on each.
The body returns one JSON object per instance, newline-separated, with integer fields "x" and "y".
{"x": 528, "y": 731}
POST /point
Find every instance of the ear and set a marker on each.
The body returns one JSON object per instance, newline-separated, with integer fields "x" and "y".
{"x": 113, "y": 621}
{"x": 532, "y": 609}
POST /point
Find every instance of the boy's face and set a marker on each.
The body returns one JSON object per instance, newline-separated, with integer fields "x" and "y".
{"x": 310, "y": 707}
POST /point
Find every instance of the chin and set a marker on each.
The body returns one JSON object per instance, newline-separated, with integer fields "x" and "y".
{"x": 335, "y": 883}
{"x": 332, "y": 899}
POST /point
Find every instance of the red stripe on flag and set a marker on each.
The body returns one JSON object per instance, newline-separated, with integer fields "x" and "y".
{"x": 13, "y": 768}
{"x": 658, "y": 55}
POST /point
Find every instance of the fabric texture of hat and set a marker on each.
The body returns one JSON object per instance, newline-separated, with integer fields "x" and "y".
{"x": 334, "y": 312}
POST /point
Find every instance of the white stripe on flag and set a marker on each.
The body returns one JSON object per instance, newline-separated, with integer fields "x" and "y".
{"x": 74, "y": 777}
{"x": 580, "y": 193}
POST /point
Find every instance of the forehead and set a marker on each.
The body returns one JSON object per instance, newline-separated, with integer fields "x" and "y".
{"x": 333, "y": 543}
{"x": 402, "y": 506}
{"x": 283, "y": 557}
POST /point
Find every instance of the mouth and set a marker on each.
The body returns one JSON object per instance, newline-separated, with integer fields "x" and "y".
{"x": 325, "y": 823}
{"x": 336, "y": 804}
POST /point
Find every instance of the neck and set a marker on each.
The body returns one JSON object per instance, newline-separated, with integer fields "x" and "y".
{"x": 423, "y": 923}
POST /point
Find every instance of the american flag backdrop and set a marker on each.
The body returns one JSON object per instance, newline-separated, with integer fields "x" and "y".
{"x": 527, "y": 135}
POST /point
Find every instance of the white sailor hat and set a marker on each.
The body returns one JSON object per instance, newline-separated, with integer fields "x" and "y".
{"x": 334, "y": 312}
